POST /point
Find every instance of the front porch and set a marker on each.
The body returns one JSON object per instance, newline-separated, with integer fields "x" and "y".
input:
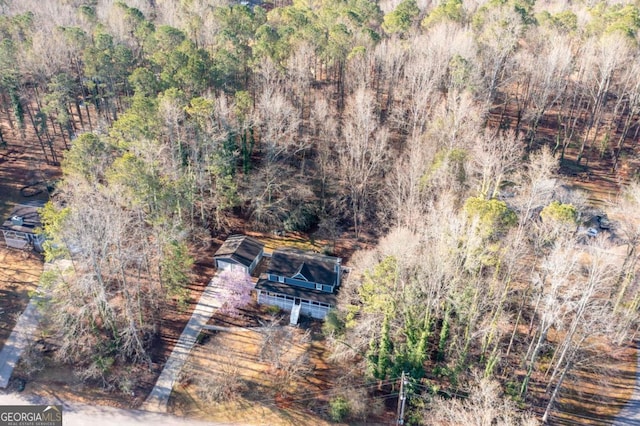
{"x": 22, "y": 240}
{"x": 309, "y": 308}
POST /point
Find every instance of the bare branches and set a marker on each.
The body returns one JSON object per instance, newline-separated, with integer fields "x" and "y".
{"x": 361, "y": 154}
{"x": 484, "y": 406}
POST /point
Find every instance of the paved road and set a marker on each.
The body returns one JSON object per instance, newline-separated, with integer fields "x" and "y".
{"x": 23, "y": 332}
{"x": 159, "y": 396}
{"x": 96, "y": 415}
{"x": 630, "y": 414}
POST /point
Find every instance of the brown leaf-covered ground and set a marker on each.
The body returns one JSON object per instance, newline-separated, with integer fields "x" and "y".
{"x": 592, "y": 396}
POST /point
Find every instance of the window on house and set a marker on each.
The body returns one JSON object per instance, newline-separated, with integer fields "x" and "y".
{"x": 318, "y": 286}
{"x": 280, "y": 279}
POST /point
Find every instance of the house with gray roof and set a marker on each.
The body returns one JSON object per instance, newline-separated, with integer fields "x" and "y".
{"x": 20, "y": 229}
{"x": 239, "y": 252}
{"x": 301, "y": 282}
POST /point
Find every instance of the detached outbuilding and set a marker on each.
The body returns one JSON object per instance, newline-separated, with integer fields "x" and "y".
{"x": 20, "y": 229}
{"x": 239, "y": 253}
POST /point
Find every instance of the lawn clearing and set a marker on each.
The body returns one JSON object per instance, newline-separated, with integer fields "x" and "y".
{"x": 256, "y": 392}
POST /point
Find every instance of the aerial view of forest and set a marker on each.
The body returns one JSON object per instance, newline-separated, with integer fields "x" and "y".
{"x": 470, "y": 167}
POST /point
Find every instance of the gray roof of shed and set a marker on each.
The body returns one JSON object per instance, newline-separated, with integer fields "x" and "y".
{"x": 317, "y": 268}
{"x": 298, "y": 292}
{"x": 241, "y": 248}
{"x": 28, "y": 211}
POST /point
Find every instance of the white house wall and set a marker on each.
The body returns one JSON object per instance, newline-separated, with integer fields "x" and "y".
{"x": 228, "y": 265}
{"x": 16, "y": 239}
{"x": 313, "y": 311}
{"x": 307, "y": 308}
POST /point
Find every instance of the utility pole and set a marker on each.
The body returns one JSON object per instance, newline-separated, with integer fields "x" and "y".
{"x": 402, "y": 398}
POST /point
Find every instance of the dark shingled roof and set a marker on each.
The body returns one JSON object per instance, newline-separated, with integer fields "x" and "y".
{"x": 241, "y": 248}
{"x": 30, "y": 218}
{"x": 295, "y": 291}
{"x": 316, "y": 268}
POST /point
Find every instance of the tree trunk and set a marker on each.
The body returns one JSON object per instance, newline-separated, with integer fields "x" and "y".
{"x": 79, "y": 112}
{"x": 554, "y": 395}
{"x": 35, "y": 128}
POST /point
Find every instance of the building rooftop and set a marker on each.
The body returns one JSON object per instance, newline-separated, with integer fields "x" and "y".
{"x": 297, "y": 292}
{"x": 24, "y": 218}
{"x": 241, "y": 248}
{"x": 312, "y": 267}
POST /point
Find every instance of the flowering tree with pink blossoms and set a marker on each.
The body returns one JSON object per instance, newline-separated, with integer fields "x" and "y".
{"x": 235, "y": 291}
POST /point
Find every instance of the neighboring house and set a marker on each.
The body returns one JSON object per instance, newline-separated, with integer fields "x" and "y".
{"x": 20, "y": 228}
{"x": 239, "y": 253}
{"x": 301, "y": 282}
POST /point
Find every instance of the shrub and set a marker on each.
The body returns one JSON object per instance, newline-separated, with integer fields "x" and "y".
{"x": 273, "y": 309}
{"x": 333, "y": 324}
{"x": 302, "y": 219}
{"x": 338, "y": 409}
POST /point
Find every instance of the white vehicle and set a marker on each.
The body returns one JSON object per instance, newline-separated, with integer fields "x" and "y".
{"x": 592, "y": 232}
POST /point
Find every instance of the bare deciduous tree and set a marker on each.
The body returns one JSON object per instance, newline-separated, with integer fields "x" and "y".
{"x": 361, "y": 155}
{"x": 484, "y": 406}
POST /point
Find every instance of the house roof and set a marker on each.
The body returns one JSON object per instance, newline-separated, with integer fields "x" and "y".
{"x": 295, "y": 291}
{"x": 313, "y": 267}
{"x": 241, "y": 248}
{"x": 28, "y": 214}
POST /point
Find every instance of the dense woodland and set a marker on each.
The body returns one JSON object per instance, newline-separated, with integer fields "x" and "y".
{"x": 436, "y": 127}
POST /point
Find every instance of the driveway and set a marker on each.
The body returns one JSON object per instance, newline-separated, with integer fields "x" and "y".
{"x": 96, "y": 415}
{"x": 20, "y": 337}
{"x": 630, "y": 414}
{"x": 207, "y": 305}
{"x": 24, "y": 331}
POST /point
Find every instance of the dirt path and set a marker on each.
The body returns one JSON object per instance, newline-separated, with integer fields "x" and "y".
{"x": 207, "y": 305}
{"x": 83, "y": 414}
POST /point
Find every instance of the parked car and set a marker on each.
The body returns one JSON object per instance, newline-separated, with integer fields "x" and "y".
{"x": 592, "y": 232}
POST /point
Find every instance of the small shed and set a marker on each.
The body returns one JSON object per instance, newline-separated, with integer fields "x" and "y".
{"x": 239, "y": 252}
{"x": 20, "y": 229}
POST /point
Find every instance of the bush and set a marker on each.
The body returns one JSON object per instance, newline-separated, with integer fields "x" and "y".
{"x": 338, "y": 409}
{"x": 273, "y": 310}
{"x": 333, "y": 324}
{"x": 560, "y": 213}
{"x": 302, "y": 219}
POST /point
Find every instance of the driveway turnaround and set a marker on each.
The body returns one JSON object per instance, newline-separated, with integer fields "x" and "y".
{"x": 630, "y": 414}
{"x": 159, "y": 396}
